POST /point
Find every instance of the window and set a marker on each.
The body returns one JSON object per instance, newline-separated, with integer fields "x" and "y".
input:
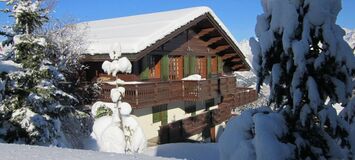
{"x": 214, "y": 65}
{"x": 160, "y": 114}
{"x": 154, "y": 66}
{"x": 175, "y": 67}
{"x": 201, "y": 69}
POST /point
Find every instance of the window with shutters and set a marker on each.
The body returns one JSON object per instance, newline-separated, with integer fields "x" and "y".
{"x": 154, "y": 66}
{"x": 214, "y": 66}
{"x": 201, "y": 69}
{"x": 175, "y": 67}
{"x": 160, "y": 114}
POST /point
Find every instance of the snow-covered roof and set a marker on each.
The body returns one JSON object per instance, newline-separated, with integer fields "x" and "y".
{"x": 133, "y": 34}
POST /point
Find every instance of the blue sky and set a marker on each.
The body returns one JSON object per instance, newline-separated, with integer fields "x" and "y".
{"x": 238, "y": 15}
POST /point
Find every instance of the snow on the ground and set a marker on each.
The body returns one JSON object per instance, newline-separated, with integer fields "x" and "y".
{"x": 193, "y": 151}
{"x": 28, "y": 152}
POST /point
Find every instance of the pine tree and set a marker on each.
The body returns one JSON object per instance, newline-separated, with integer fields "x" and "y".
{"x": 33, "y": 105}
{"x": 301, "y": 54}
{"x": 306, "y": 62}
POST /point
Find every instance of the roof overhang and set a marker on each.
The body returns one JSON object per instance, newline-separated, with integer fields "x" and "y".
{"x": 242, "y": 65}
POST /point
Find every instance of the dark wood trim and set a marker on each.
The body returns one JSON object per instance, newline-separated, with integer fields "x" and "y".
{"x": 237, "y": 60}
{"x": 214, "y": 40}
{"x": 204, "y": 32}
{"x": 231, "y": 55}
{"x": 238, "y": 67}
{"x": 221, "y": 48}
{"x": 168, "y": 37}
{"x": 182, "y": 53}
{"x": 229, "y": 40}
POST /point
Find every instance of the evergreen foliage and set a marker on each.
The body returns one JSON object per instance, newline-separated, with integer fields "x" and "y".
{"x": 32, "y": 104}
{"x": 309, "y": 67}
{"x": 103, "y": 111}
{"x": 301, "y": 54}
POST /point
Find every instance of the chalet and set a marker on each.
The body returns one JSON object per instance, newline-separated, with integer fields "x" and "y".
{"x": 164, "y": 48}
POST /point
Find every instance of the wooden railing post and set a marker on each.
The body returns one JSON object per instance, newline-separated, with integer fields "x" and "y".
{"x": 155, "y": 92}
{"x": 183, "y": 89}
{"x": 209, "y": 88}
{"x": 136, "y": 94}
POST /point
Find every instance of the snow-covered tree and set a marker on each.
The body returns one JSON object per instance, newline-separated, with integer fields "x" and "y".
{"x": 301, "y": 54}
{"x": 65, "y": 45}
{"x": 33, "y": 106}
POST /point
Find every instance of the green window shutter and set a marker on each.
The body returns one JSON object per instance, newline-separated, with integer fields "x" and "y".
{"x": 186, "y": 66}
{"x": 156, "y": 114}
{"x": 208, "y": 67}
{"x": 220, "y": 64}
{"x": 165, "y": 68}
{"x": 192, "y": 64}
{"x": 145, "y": 69}
{"x": 164, "y": 114}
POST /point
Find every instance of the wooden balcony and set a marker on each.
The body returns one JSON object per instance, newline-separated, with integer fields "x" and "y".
{"x": 180, "y": 130}
{"x": 150, "y": 94}
{"x": 147, "y": 94}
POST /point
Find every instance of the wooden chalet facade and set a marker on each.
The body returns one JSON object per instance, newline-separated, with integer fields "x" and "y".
{"x": 167, "y": 106}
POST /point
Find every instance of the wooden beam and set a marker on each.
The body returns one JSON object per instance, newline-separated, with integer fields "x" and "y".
{"x": 236, "y": 60}
{"x": 214, "y": 40}
{"x": 230, "y": 55}
{"x": 227, "y": 38}
{"x": 204, "y": 32}
{"x": 237, "y": 67}
{"x": 244, "y": 69}
{"x": 222, "y": 48}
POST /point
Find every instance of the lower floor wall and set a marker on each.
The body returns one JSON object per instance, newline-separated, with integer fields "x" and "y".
{"x": 175, "y": 112}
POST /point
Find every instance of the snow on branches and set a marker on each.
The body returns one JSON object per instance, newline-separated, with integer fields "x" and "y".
{"x": 301, "y": 54}
{"x": 32, "y": 106}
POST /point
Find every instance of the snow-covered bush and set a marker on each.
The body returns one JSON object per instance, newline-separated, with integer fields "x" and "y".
{"x": 114, "y": 129}
{"x": 33, "y": 106}
{"x": 103, "y": 111}
{"x": 301, "y": 54}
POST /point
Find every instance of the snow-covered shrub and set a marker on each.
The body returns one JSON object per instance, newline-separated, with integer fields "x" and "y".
{"x": 114, "y": 129}
{"x": 103, "y": 111}
{"x": 301, "y": 54}
{"x": 33, "y": 106}
{"x": 255, "y": 134}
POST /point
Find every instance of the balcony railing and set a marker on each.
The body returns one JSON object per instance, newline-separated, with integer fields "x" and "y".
{"x": 156, "y": 93}
{"x": 180, "y": 130}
